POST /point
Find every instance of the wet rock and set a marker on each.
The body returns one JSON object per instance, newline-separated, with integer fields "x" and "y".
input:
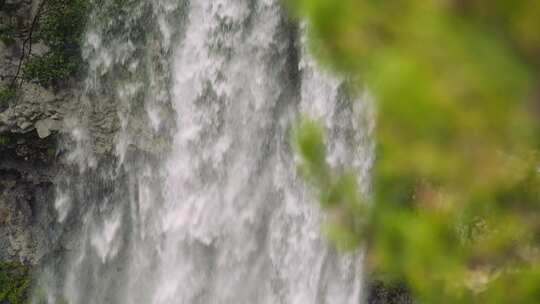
{"x": 385, "y": 293}
{"x": 45, "y": 126}
{"x": 26, "y": 197}
{"x": 29, "y": 126}
{"x": 39, "y": 49}
{"x": 37, "y": 105}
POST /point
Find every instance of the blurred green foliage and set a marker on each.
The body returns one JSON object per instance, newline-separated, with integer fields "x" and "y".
{"x": 455, "y": 207}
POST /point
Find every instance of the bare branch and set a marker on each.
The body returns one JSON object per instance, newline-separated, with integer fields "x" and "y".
{"x": 27, "y": 42}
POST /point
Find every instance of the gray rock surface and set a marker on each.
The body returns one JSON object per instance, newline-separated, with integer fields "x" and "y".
{"x": 37, "y": 105}
{"x": 27, "y": 168}
{"x": 29, "y": 124}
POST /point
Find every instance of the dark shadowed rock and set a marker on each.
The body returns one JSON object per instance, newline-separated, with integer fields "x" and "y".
{"x": 384, "y": 293}
{"x": 26, "y": 197}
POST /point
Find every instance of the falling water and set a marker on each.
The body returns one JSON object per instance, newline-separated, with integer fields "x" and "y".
{"x": 179, "y": 183}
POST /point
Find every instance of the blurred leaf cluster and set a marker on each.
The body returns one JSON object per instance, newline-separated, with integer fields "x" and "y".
{"x": 455, "y": 206}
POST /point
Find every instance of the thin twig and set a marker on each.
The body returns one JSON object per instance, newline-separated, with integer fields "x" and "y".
{"x": 25, "y": 42}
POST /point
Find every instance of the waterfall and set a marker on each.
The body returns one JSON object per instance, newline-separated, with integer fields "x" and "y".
{"x": 179, "y": 184}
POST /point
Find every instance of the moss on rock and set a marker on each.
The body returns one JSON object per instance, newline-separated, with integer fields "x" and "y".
{"x": 6, "y": 95}
{"x": 15, "y": 281}
{"x": 8, "y": 33}
{"x": 60, "y": 26}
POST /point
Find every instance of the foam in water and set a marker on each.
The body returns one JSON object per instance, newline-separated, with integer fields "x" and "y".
{"x": 198, "y": 200}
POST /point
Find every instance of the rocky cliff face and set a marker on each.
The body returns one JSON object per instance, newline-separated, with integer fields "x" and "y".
{"x": 26, "y": 197}
{"x": 30, "y": 117}
{"x": 39, "y": 96}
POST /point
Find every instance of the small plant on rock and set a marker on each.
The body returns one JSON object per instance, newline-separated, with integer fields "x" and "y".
{"x": 15, "y": 282}
{"x": 6, "y": 95}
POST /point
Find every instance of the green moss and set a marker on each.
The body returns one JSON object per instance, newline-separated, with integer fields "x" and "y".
{"x": 15, "y": 283}
{"x": 50, "y": 68}
{"x": 4, "y": 140}
{"x": 6, "y": 95}
{"x": 7, "y": 33}
{"x": 60, "y": 27}
{"x": 62, "y": 24}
